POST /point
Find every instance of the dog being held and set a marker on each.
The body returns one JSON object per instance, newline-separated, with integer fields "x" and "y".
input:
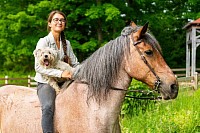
{"x": 48, "y": 58}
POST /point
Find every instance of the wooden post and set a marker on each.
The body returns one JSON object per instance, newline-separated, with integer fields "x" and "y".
{"x": 195, "y": 80}
{"x": 193, "y": 65}
{"x": 192, "y": 42}
{"x": 29, "y": 81}
{"x": 188, "y": 53}
{"x": 6, "y": 80}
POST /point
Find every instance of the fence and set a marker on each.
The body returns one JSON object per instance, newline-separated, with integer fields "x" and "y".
{"x": 27, "y": 81}
{"x": 187, "y": 81}
{"x": 180, "y": 73}
{"x": 190, "y": 81}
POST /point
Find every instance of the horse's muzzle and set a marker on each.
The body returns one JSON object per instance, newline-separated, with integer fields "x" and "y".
{"x": 170, "y": 92}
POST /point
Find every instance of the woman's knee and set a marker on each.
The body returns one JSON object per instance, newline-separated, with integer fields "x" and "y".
{"x": 45, "y": 89}
{"x": 48, "y": 108}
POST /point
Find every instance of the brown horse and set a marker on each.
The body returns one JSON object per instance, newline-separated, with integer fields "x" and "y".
{"x": 90, "y": 104}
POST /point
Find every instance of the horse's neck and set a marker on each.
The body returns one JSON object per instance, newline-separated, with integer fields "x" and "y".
{"x": 109, "y": 109}
{"x": 74, "y": 104}
{"x": 116, "y": 97}
{"x": 122, "y": 81}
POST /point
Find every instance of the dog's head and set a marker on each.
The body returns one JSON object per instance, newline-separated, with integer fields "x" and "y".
{"x": 47, "y": 57}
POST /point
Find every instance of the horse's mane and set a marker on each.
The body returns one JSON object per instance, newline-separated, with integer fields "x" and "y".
{"x": 101, "y": 69}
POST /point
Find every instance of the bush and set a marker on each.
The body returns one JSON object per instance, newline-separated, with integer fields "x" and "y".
{"x": 133, "y": 106}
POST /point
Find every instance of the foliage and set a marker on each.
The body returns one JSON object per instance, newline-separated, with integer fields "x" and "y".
{"x": 107, "y": 10}
{"x": 179, "y": 115}
{"x": 134, "y": 105}
{"x": 90, "y": 25}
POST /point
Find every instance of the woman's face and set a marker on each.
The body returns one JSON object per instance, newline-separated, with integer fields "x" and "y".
{"x": 57, "y": 23}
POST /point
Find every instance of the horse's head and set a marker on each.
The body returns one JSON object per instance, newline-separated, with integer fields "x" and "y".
{"x": 145, "y": 63}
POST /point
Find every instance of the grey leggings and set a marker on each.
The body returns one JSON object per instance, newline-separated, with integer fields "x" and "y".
{"x": 47, "y": 97}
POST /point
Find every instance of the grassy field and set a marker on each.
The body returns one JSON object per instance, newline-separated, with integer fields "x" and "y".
{"x": 181, "y": 115}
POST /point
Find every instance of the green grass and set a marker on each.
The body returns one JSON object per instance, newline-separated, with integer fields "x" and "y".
{"x": 181, "y": 115}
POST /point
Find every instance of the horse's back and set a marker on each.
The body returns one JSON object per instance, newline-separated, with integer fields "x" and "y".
{"x": 19, "y": 110}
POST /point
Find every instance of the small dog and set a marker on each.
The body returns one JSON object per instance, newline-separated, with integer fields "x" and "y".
{"x": 48, "y": 58}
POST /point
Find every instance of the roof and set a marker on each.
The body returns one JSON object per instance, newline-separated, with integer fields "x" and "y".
{"x": 195, "y": 22}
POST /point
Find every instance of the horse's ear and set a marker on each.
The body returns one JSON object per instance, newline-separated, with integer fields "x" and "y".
{"x": 140, "y": 32}
{"x": 132, "y": 24}
{"x": 144, "y": 28}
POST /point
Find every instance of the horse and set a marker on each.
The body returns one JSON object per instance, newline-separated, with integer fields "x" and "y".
{"x": 92, "y": 104}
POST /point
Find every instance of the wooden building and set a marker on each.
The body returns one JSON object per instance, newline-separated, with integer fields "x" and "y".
{"x": 192, "y": 42}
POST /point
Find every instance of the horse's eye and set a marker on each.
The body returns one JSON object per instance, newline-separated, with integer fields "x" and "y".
{"x": 149, "y": 52}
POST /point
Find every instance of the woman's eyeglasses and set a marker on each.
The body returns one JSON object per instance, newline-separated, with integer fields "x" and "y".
{"x": 57, "y": 20}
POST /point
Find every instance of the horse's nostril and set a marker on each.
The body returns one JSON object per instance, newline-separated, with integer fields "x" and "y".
{"x": 174, "y": 88}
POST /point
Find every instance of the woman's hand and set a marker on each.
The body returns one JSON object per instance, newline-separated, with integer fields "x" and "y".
{"x": 66, "y": 74}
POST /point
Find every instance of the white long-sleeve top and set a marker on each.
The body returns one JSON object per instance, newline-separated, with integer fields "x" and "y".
{"x": 48, "y": 41}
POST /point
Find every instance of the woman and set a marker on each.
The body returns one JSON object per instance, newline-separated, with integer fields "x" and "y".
{"x": 56, "y": 40}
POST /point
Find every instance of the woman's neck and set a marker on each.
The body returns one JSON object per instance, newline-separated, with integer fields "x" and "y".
{"x": 56, "y": 36}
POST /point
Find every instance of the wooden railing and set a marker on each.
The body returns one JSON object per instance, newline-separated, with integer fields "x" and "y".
{"x": 192, "y": 81}
{"x": 180, "y": 73}
{"x": 27, "y": 81}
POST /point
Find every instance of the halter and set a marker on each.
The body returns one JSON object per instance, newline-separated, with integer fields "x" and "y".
{"x": 156, "y": 84}
{"x": 158, "y": 81}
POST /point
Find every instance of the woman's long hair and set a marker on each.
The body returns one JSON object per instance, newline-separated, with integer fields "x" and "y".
{"x": 66, "y": 58}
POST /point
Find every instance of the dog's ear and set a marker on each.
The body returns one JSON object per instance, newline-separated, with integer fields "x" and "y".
{"x": 36, "y": 52}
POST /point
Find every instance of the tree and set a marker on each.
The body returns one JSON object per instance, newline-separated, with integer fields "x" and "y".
{"x": 21, "y": 32}
{"x": 90, "y": 25}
